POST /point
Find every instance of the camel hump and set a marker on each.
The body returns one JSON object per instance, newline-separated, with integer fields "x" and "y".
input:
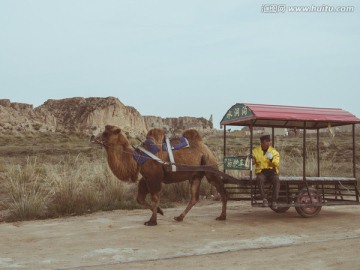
{"x": 192, "y": 135}
{"x": 156, "y": 135}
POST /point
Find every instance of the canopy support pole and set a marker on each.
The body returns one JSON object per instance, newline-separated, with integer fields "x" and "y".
{"x": 251, "y": 144}
{"x": 354, "y": 156}
{"x": 224, "y": 145}
{"x": 304, "y": 162}
{"x": 318, "y": 152}
{"x": 304, "y": 152}
{"x": 251, "y": 173}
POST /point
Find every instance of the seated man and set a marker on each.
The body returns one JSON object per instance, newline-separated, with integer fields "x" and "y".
{"x": 267, "y": 161}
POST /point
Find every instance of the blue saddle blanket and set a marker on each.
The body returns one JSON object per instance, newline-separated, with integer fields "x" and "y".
{"x": 141, "y": 157}
{"x": 183, "y": 143}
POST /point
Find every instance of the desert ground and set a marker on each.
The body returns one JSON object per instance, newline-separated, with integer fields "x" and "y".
{"x": 250, "y": 238}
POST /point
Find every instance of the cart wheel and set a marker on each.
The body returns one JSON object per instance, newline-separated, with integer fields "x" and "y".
{"x": 303, "y": 197}
{"x": 280, "y": 209}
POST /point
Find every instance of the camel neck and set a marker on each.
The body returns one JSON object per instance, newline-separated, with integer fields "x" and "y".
{"x": 122, "y": 164}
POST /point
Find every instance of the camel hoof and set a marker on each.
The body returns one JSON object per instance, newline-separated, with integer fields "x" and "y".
{"x": 160, "y": 211}
{"x": 150, "y": 223}
{"x": 221, "y": 218}
{"x": 179, "y": 218}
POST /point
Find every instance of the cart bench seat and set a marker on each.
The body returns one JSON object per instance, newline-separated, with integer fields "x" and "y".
{"x": 333, "y": 190}
{"x": 300, "y": 178}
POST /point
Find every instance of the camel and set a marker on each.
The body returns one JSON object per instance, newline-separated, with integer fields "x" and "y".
{"x": 120, "y": 157}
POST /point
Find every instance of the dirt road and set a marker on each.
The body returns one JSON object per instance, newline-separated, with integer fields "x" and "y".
{"x": 251, "y": 238}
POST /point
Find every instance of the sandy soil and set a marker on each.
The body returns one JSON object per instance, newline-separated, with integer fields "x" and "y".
{"x": 251, "y": 238}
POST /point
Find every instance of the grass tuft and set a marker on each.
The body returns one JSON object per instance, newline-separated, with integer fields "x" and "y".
{"x": 28, "y": 197}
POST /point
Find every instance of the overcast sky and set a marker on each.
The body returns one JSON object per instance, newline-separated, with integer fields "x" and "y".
{"x": 180, "y": 58}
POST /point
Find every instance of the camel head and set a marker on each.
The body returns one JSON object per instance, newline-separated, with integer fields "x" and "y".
{"x": 119, "y": 153}
{"x": 112, "y": 136}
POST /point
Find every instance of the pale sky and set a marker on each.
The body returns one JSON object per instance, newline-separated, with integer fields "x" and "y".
{"x": 180, "y": 58}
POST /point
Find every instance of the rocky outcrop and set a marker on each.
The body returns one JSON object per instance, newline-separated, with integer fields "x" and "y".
{"x": 90, "y": 114}
{"x": 178, "y": 124}
{"x": 20, "y": 117}
{"x": 87, "y": 115}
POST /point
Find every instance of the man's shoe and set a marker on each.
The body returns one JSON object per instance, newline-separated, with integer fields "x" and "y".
{"x": 265, "y": 203}
{"x": 274, "y": 205}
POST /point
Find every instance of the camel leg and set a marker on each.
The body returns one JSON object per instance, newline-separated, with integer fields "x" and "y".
{"x": 141, "y": 196}
{"x": 155, "y": 198}
{"x": 219, "y": 185}
{"x": 153, "y": 186}
{"x": 195, "y": 192}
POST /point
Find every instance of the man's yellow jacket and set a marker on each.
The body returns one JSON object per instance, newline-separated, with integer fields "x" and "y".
{"x": 261, "y": 161}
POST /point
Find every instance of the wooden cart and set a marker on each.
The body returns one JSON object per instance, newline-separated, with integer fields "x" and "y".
{"x": 306, "y": 194}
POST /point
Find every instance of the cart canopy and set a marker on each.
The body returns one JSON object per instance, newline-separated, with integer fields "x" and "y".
{"x": 262, "y": 115}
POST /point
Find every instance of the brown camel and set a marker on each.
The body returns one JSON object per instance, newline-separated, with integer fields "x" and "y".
{"x": 120, "y": 156}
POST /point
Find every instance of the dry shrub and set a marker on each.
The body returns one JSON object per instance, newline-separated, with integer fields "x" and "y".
{"x": 67, "y": 184}
{"x": 81, "y": 186}
{"x": 28, "y": 196}
{"x": 330, "y": 165}
{"x": 114, "y": 194}
{"x": 72, "y": 188}
{"x": 75, "y": 185}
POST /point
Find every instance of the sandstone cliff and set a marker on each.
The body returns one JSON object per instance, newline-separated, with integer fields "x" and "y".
{"x": 20, "y": 117}
{"x": 178, "y": 124}
{"x": 90, "y": 114}
{"x": 87, "y": 115}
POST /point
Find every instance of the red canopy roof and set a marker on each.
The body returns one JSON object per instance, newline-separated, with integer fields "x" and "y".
{"x": 261, "y": 115}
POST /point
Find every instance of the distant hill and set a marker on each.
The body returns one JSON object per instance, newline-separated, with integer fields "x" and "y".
{"x": 87, "y": 115}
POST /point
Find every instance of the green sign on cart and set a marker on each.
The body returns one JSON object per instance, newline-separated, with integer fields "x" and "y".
{"x": 237, "y": 163}
{"x": 237, "y": 111}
